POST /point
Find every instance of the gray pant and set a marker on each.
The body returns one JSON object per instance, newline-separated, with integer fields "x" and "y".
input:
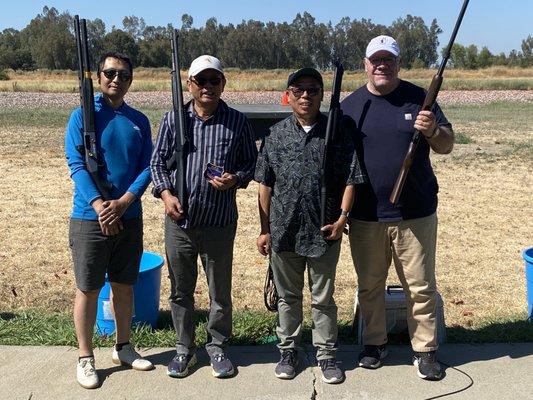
{"x": 289, "y": 269}
{"x": 215, "y": 248}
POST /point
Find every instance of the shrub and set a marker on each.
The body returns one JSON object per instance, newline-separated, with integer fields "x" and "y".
{"x": 3, "y": 75}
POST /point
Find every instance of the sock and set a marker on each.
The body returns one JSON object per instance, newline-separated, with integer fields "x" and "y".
{"x": 119, "y": 346}
{"x": 89, "y": 356}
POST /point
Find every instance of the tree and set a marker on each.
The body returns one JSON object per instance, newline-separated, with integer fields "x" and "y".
{"x": 154, "y": 48}
{"x": 95, "y": 37}
{"x": 122, "y": 42}
{"x": 457, "y": 56}
{"x": 471, "y": 57}
{"x": 134, "y": 26}
{"x": 527, "y": 51}
{"x": 50, "y": 41}
{"x": 12, "y": 55}
{"x": 484, "y": 58}
{"x": 416, "y": 40}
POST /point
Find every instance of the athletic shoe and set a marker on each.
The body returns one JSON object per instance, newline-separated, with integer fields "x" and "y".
{"x": 372, "y": 355}
{"x": 331, "y": 373}
{"x": 128, "y": 356}
{"x": 427, "y": 366}
{"x": 179, "y": 366}
{"x": 286, "y": 368}
{"x": 222, "y": 366}
{"x": 86, "y": 373}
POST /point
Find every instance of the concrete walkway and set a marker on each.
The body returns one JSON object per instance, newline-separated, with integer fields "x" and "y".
{"x": 492, "y": 371}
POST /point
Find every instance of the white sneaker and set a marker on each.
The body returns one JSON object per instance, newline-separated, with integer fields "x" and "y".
{"x": 86, "y": 373}
{"x": 128, "y": 356}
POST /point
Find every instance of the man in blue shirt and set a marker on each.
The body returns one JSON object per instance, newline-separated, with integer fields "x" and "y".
{"x": 220, "y": 158}
{"x": 386, "y": 111}
{"x": 105, "y": 235}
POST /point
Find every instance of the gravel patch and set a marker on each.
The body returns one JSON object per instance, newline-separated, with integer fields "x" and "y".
{"x": 163, "y": 99}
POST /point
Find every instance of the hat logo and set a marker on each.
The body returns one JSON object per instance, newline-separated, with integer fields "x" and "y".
{"x": 382, "y": 40}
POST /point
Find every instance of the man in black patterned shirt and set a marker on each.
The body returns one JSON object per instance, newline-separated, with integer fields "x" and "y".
{"x": 222, "y": 136}
{"x": 288, "y": 171}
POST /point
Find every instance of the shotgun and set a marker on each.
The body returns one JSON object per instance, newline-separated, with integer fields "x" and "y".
{"x": 329, "y": 201}
{"x": 89, "y": 147}
{"x": 428, "y": 104}
{"x": 179, "y": 157}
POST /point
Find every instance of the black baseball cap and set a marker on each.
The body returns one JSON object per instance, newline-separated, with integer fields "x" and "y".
{"x": 313, "y": 73}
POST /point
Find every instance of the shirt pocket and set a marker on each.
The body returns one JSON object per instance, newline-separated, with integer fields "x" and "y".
{"x": 405, "y": 120}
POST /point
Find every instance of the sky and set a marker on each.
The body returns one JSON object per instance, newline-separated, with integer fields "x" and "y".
{"x": 499, "y": 25}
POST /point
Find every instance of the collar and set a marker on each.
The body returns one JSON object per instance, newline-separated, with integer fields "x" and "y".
{"x": 99, "y": 103}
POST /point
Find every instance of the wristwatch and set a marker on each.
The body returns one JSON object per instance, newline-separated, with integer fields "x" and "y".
{"x": 345, "y": 213}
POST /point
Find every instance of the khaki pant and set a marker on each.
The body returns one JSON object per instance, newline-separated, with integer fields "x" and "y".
{"x": 289, "y": 275}
{"x": 411, "y": 244}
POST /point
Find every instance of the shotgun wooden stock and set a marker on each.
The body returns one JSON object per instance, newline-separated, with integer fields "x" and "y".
{"x": 428, "y": 104}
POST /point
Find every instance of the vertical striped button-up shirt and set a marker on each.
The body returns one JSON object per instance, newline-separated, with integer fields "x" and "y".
{"x": 225, "y": 139}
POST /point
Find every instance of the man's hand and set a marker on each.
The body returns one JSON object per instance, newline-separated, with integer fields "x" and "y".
{"x": 112, "y": 211}
{"x": 224, "y": 182}
{"x": 107, "y": 228}
{"x": 173, "y": 206}
{"x": 334, "y": 231}
{"x": 263, "y": 244}
{"x": 111, "y": 229}
{"x": 426, "y": 123}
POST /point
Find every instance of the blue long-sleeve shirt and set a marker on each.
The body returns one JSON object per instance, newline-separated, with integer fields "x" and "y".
{"x": 124, "y": 144}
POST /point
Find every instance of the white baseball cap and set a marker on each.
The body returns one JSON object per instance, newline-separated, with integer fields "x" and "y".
{"x": 204, "y": 62}
{"x": 382, "y": 42}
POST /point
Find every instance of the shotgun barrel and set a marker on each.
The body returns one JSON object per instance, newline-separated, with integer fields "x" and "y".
{"x": 428, "y": 104}
{"x": 89, "y": 148}
{"x": 329, "y": 205}
{"x": 178, "y": 159}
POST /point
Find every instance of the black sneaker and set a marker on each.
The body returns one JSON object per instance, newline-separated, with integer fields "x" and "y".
{"x": 331, "y": 373}
{"x": 180, "y": 364}
{"x": 286, "y": 368}
{"x": 221, "y": 364}
{"x": 372, "y": 355}
{"x": 427, "y": 366}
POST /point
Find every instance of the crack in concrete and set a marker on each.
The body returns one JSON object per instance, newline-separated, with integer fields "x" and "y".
{"x": 314, "y": 394}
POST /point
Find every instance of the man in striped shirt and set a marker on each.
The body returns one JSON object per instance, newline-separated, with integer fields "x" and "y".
{"x": 221, "y": 137}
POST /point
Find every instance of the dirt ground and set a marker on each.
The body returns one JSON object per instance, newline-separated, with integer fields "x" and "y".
{"x": 484, "y": 224}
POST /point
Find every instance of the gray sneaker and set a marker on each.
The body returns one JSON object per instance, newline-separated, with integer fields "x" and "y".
{"x": 331, "y": 373}
{"x": 427, "y": 366}
{"x": 179, "y": 366}
{"x": 286, "y": 368}
{"x": 221, "y": 364}
{"x": 372, "y": 355}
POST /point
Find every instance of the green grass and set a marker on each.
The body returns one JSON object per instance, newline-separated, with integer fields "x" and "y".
{"x": 35, "y": 328}
{"x": 506, "y": 113}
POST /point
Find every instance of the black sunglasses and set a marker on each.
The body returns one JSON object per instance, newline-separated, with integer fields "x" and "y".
{"x": 123, "y": 76}
{"x": 201, "y": 81}
{"x": 298, "y": 91}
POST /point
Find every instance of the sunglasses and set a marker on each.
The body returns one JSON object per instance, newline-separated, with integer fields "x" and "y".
{"x": 111, "y": 73}
{"x": 298, "y": 91}
{"x": 375, "y": 61}
{"x": 201, "y": 81}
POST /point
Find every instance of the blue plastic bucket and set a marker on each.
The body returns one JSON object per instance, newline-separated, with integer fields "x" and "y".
{"x": 527, "y": 254}
{"x": 145, "y": 294}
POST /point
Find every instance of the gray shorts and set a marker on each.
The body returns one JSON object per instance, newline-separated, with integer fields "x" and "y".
{"x": 95, "y": 254}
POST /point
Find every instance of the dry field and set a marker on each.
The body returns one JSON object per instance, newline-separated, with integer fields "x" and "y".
{"x": 484, "y": 219}
{"x": 157, "y": 79}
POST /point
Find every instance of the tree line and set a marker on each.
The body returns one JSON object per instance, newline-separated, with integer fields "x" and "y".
{"x": 47, "y": 42}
